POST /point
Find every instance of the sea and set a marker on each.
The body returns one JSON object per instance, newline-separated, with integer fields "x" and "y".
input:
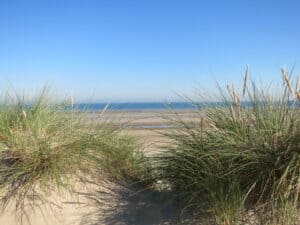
{"x": 150, "y": 106}
{"x": 134, "y": 106}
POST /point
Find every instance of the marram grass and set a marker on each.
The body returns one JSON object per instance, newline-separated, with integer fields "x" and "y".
{"x": 241, "y": 161}
{"x": 45, "y": 148}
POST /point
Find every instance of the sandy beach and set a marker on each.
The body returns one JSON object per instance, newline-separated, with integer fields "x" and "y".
{"x": 146, "y": 126}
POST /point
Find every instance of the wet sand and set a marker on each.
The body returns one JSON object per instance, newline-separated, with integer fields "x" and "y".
{"x": 146, "y": 126}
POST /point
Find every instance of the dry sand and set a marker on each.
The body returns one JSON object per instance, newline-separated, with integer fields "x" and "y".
{"x": 145, "y": 125}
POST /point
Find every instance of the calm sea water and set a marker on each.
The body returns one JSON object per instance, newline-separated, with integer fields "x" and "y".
{"x": 144, "y": 106}
{"x": 136, "y": 106}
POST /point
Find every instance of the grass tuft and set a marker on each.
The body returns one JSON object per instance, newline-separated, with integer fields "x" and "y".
{"x": 45, "y": 147}
{"x": 244, "y": 159}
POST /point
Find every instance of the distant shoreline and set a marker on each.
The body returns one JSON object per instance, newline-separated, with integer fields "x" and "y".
{"x": 138, "y": 111}
{"x": 134, "y": 106}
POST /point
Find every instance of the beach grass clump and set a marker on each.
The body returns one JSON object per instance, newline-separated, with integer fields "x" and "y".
{"x": 241, "y": 161}
{"x": 41, "y": 148}
{"x": 47, "y": 147}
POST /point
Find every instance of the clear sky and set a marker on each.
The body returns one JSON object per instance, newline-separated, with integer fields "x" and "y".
{"x": 136, "y": 50}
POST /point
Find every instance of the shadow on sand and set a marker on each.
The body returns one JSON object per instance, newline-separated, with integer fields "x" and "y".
{"x": 118, "y": 205}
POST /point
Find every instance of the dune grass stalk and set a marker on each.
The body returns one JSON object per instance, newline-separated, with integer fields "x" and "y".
{"x": 244, "y": 157}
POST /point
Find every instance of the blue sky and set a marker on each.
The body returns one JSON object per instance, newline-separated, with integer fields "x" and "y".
{"x": 143, "y": 50}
